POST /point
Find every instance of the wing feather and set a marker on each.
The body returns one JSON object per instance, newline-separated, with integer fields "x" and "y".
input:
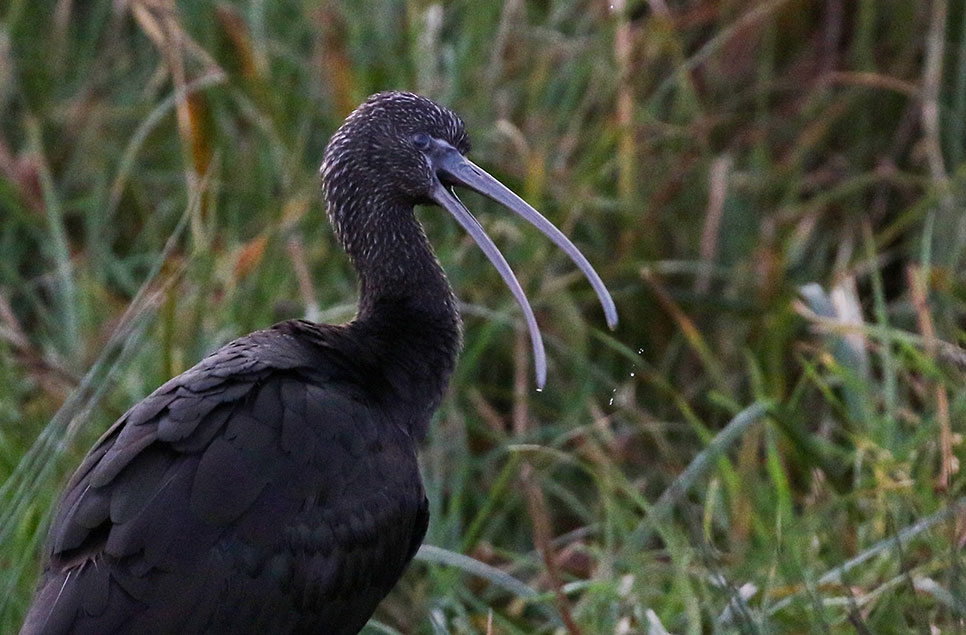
{"x": 225, "y": 484}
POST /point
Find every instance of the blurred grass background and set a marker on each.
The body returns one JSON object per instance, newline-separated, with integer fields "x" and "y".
{"x": 773, "y": 190}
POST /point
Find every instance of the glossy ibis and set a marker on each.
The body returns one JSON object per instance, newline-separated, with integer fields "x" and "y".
{"x": 273, "y": 487}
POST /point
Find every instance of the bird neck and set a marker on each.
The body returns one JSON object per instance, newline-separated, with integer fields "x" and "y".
{"x": 407, "y": 310}
{"x": 396, "y": 266}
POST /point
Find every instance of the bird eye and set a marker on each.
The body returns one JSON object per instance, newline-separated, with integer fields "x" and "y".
{"x": 422, "y": 141}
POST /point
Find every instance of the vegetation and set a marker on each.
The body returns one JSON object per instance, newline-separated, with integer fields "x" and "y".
{"x": 773, "y": 190}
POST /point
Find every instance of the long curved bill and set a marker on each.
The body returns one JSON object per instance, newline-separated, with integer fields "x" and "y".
{"x": 457, "y": 169}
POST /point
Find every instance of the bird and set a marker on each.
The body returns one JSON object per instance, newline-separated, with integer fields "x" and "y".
{"x": 274, "y": 486}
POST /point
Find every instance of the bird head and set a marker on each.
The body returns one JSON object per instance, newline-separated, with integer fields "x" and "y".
{"x": 390, "y": 143}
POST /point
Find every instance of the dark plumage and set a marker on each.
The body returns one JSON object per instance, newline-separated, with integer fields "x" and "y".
{"x": 274, "y": 487}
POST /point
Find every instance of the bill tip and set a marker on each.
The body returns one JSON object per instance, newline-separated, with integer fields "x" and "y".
{"x": 610, "y": 313}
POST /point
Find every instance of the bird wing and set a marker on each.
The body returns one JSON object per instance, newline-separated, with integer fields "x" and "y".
{"x": 258, "y": 487}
